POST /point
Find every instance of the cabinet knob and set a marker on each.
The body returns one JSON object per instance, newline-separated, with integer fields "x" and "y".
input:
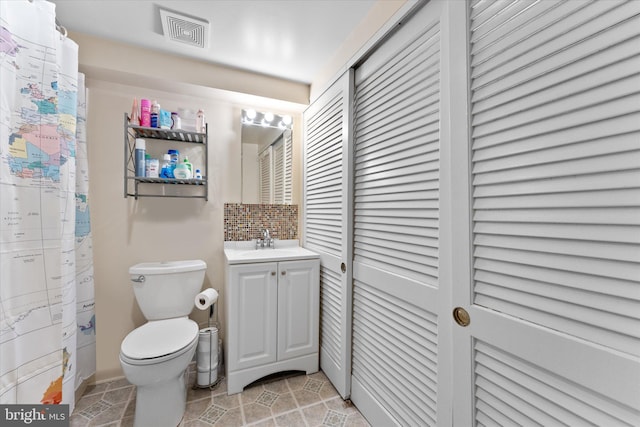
{"x": 273, "y": 273}
{"x": 283, "y": 273}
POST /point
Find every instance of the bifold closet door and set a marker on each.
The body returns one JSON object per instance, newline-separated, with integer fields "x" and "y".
{"x": 554, "y": 298}
{"x": 400, "y": 365}
{"x": 327, "y": 230}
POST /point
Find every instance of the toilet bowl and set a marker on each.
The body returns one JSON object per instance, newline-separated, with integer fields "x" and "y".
{"x": 154, "y": 357}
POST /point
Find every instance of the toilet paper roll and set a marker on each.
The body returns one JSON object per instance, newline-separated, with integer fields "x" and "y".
{"x": 205, "y": 298}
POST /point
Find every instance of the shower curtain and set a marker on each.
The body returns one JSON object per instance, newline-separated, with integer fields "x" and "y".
{"x": 47, "y": 321}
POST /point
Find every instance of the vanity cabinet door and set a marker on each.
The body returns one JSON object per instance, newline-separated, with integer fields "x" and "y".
{"x": 252, "y": 312}
{"x": 298, "y": 308}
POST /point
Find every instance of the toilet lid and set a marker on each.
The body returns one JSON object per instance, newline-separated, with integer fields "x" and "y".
{"x": 158, "y": 338}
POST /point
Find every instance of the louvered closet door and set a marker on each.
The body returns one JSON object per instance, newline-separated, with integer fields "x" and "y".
{"x": 554, "y": 300}
{"x": 278, "y": 171}
{"x": 265, "y": 176}
{"x": 327, "y": 210}
{"x": 287, "y": 186}
{"x": 399, "y": 366}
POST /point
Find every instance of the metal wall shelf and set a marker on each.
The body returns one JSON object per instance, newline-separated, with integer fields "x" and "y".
{"x": 133, "y": 184}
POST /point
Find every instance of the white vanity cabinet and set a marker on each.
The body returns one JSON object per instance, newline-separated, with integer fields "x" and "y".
{"x": 272, "y": 319}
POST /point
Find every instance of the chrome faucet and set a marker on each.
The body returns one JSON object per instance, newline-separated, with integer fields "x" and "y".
{"x": 266, "y": 242}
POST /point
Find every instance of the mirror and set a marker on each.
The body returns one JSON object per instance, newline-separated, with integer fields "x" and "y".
{"x": 266, "y": 158}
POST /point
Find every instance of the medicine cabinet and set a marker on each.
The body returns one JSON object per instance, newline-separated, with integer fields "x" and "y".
{"x": 158, "y": 141}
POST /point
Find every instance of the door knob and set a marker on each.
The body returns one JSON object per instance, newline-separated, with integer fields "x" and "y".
{"x": 343, "y": 267}
{"x": 461, "y": 316}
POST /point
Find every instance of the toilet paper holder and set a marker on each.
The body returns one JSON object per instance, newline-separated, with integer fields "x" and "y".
{"x": 208, "y": 375}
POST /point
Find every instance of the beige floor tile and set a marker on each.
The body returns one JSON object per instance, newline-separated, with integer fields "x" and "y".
{"x": 131, "y": 407}
{"x": 118, "y": 395}
{"x": 279, "y": 386}
{"x": 195, "y": 408}
{"x": 212, "y": 414}
{"x": 122, "y": 382}
{"x": 196, "y": 423}
{"x": 197, "y": 393}
{"x": 327, "y": 391}
{"x": 227, "y": 402}
{"x": 296, "y": 383}
{"x": 284, "y": 403}
{"x": 320, "y": 376}
{"x": 269, "y": 422}
{"x": 356, "y": 420}
{"x": 314, "y": 415}
{"x": 114, "y": 413}
{"x": 76, "y": 420}
{"x": 127, "y": 421}
{"x": 96, "y": 389}
{"x": 232, "y": 418}
{"x": 339, "y": 405}
{"x": 255, "y": 412}
{"x": 290, "y": 419}
{"x": 249, "y": 395}
{"x": 305, "y": 397}
{"x": 86, "y": 401}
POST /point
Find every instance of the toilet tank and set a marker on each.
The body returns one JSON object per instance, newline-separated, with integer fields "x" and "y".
{"x": 165, "y": 290}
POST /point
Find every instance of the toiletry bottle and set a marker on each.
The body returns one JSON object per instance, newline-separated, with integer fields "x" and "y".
{"x": 155, "y": 114}
{"x": 182, "y": 171}
{"x": 175, "y": 158}
{"x": 145, "y": 113}
{"x": 147, "y": 163}
{"x": 153, "y": 168}
{"x": 200, "y": 127}
{"x": 188, "y": 165}
{"x": 134, "y": 119}
{"x": 175, "y": 121}
{"x": 167, "y": 170}
{"x": 198, "y": 174}
{"x": 140, "y": 152}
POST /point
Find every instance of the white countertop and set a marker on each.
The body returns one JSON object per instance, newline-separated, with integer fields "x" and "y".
{"x": 285, "y": 250}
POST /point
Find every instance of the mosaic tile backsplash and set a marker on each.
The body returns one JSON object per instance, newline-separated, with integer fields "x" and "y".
{"x": 246, "y": 222}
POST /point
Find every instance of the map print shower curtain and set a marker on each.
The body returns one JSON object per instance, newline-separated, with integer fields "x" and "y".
{"x": 47, "y": 322}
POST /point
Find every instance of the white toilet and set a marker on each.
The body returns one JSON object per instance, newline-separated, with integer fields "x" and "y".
{"x": 155, "y": 356}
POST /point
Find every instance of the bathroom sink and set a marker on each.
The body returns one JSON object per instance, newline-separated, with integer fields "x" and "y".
{"x": 245, "y": 252}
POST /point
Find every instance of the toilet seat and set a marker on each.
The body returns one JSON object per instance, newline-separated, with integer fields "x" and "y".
{"x": 159, "y": 339}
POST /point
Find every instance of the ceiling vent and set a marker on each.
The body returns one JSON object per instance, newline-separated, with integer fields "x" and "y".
{"x": 185, "y": 29}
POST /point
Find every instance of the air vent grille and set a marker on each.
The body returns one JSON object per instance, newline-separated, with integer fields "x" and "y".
{"x": 184, "y": 29}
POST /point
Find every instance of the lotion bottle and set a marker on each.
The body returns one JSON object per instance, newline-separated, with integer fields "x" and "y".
{"x": 188, "y": 165}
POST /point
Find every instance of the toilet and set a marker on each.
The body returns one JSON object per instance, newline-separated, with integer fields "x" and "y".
{"x": 155, "y": 356}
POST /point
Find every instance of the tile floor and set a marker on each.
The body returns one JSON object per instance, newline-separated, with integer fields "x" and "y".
{"x": 300, "y": 400}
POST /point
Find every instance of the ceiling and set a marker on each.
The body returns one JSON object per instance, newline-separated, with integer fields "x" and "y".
{"x": 290, "y": 39}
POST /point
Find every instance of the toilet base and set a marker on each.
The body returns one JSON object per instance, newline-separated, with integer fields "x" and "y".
{"x": 161, "y": 404}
